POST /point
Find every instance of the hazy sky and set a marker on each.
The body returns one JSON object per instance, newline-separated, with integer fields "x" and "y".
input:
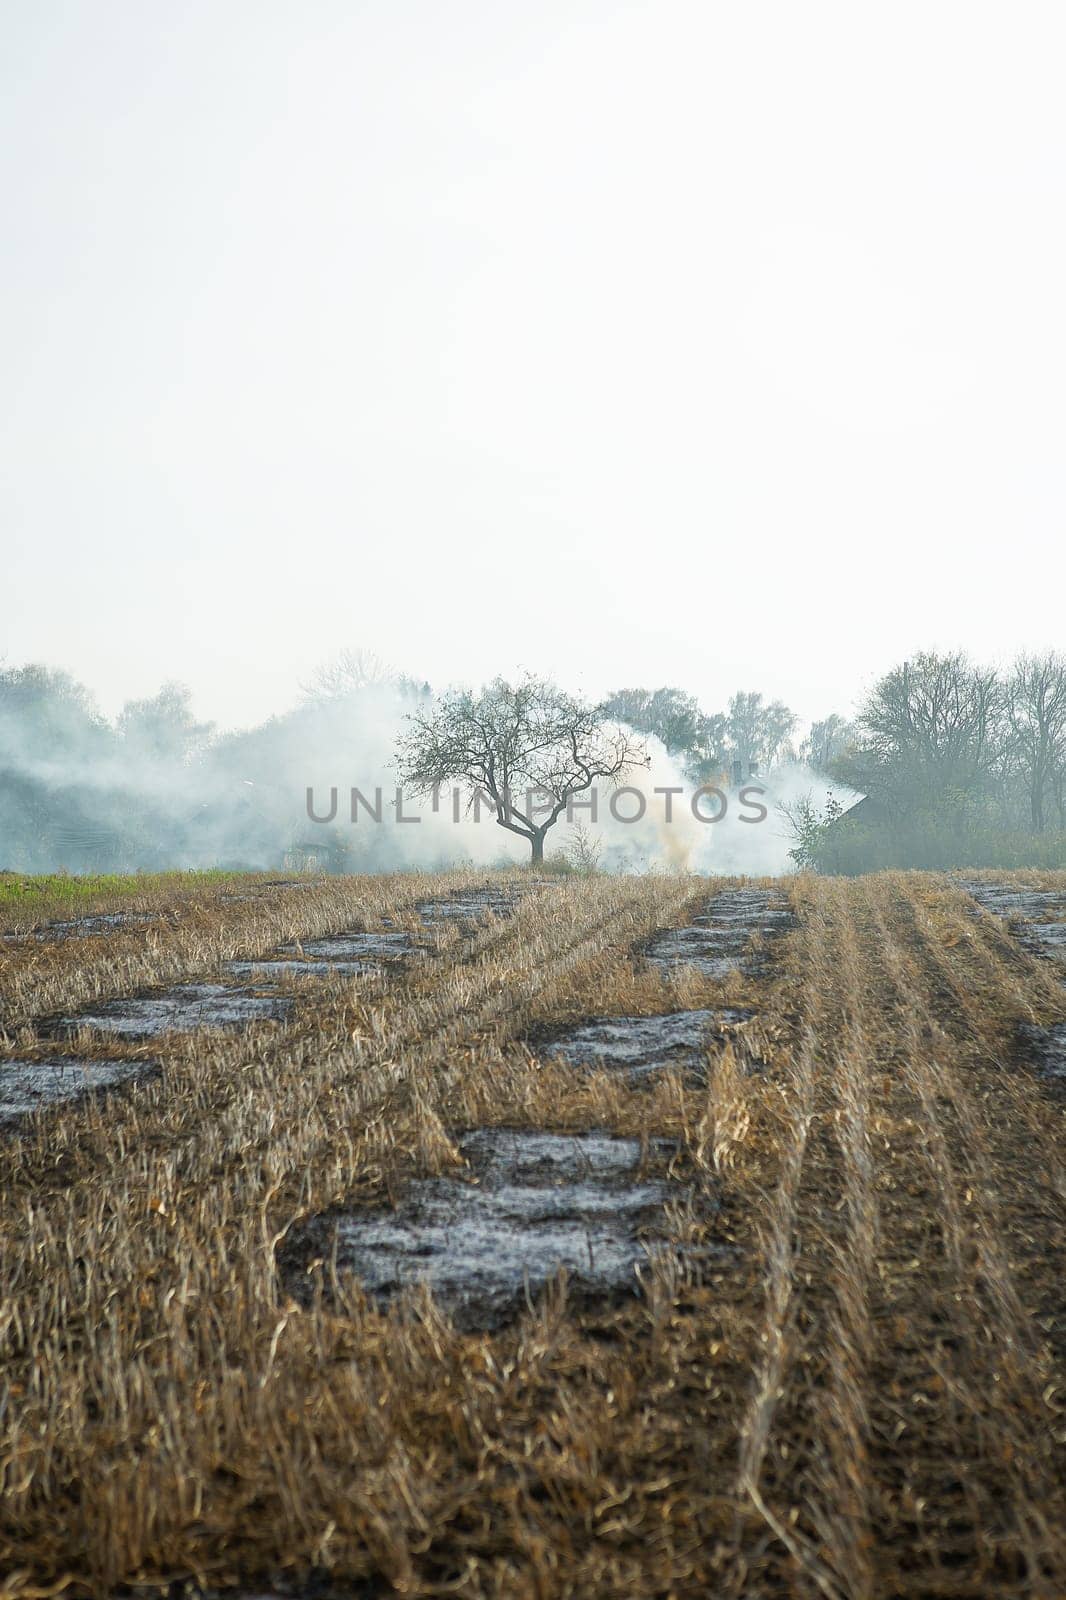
{"x": 719, "y": 345}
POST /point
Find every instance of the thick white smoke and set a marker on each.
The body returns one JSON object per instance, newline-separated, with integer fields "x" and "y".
{"x": 281, "y": 796}
{"x": 722, "y": 830}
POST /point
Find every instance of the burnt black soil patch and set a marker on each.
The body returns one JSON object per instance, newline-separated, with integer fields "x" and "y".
{"x": 187, "y": 1008}
{"x": 342, "y": 955}
{"x": 269, "y": 968}
{"x": 639, "y": 1047}
{"x": 1038, "y": 913}
{"x": 712, "y": 953}
{"x": 1046, "y": 1049}
{"x": 1016, "y": 900}
{"x": 469, "y": 906}
{"x": 716, "y": 942}
{"x": 260, "y": 891}
{"x": 28, "y": 1086}
{"x": 354, "y": 947}
{"x": 485, "y": 1243}
{"x": 1035, "y": 916}
{"x": 85, "y": 927}
{"x": 1046, "y": 938}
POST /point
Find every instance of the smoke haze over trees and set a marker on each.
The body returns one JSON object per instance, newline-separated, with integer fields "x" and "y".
{"x": 707, "y": 745}
{"x": 962, "y": 766}
{"x": 958, "y": 761}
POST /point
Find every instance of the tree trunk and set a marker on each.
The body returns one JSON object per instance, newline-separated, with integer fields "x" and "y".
{"x": 537, "y": 841}
{"x": 1037, "y": 805}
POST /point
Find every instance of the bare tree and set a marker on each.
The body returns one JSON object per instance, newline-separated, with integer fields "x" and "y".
{"x": 1036, "y": 711}
{"x": 929, "y": 734}
{"x": 528, "y": 747}
{"x": 353, "y": 673}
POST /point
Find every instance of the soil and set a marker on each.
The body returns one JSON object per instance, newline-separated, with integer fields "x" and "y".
{"x": 486, "y": 1243}
{"x": 470, "y": 906}
{"x": 353, "y": 947}
{"x": 26, "y": 1086}
{"x": 1037, "y": 913}
{"x": 643, "y": 1046}
{"x": 84, "y": 927}
{"x": 187, "y": 1008}
{"x": 262, "y": 971}
{"x": 715, "y": 943}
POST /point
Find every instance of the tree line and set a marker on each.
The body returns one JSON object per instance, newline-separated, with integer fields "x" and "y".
{"x": 960, "y": 764}
{"x": 155, "y": 788}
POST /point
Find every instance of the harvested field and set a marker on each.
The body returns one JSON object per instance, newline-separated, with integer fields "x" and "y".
{"x": 640, "y": 1237}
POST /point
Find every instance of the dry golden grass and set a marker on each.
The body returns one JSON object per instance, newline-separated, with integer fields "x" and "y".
{"x": 196, "y": 932}
{"x": 858, "y": 1393}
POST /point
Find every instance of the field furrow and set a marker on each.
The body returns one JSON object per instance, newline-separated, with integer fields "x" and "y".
{"x": 805, "y": 1184}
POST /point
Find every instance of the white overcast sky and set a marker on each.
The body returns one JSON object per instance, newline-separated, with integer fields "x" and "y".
{"x": 713, "y": 344}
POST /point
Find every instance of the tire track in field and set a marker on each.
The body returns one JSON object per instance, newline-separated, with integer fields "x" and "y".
{"x": 967, "y": 1484}
{"x": 786, "y": 1479}
{"x": 899, "y": 1436}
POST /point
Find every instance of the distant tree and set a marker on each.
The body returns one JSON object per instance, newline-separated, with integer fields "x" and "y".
{"x": 46, "y": 713}
{"x": 529, "y": 747}
{"x": 1036, "y": 715}
{"x": 163, "y": 728}
{"x": 694, "y": 739}
{"x": 929, "y": 736}
{"x": 669, "y": 714}
{"x": 826, "y": 742}
{"x": 753, "y": 733}
{"x": 757, "y": 734}
{"x": 53, "y": 745}
{"x": 354, "y": 672}
{"x": 811, "y": 829}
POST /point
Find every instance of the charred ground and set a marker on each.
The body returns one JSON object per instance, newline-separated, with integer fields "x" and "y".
{"x": 827, "y": 1355}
